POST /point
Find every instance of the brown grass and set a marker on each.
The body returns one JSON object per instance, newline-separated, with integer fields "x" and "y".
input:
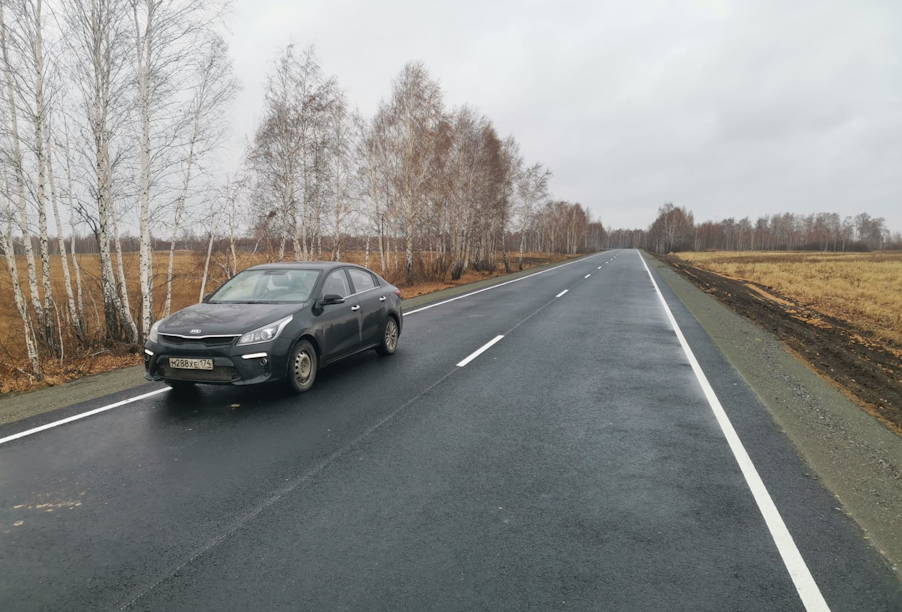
{"x": 188, "y": 268}
{"x": 864, "y": 289}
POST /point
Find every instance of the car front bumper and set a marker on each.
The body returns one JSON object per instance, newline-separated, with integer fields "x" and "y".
{"x": 232, "y": 365}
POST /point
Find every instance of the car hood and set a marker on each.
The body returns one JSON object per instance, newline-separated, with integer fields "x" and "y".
{"x": 225, "y": 319}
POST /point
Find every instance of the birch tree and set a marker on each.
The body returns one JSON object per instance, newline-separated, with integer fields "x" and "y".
{"x": 413, "y": 116}
{"x": 532, "y": 190}
{"x": 32, "y": 35}
{"x": 18, "y": 165}
{"x": 512, "y": 172}
{"x": 167, "y": 34}
{"x": 74, "y": 317}
{"x": 341, "y": 145}
{"x": 98, "y": 44}
{"x": 6, "y": 243}
{"x": 214, "y": 87}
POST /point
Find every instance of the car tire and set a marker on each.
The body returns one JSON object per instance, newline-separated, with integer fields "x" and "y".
{"x": 390, "y": 333}
{"x": 302, "y": 365}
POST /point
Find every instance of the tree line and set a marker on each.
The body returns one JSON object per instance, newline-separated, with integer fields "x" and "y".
{"x": 113, "y": 114}
{"x": 675, "y": 229}
{"x": 432, "y": 191}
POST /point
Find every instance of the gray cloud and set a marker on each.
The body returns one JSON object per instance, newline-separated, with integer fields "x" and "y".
{"x": 730, "y": 108}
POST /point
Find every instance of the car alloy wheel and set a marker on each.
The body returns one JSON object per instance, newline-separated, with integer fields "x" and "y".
{"x": 391, "y": 335}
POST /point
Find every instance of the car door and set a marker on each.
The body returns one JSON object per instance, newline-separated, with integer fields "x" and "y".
{"x": 340, "y": 323}
{"x": 372, "y": 305}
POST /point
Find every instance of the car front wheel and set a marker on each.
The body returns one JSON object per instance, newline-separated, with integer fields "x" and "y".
{"x": 389, "y": 337}
{"x": 302, "y": 367}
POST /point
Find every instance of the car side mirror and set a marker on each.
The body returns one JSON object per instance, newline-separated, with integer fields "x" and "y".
{"x": 207, "y": 297}
{"x": 332, "y": 298}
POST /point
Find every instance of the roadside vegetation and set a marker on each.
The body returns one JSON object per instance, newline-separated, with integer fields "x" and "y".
{"x": 862, "y": 289}
{"x": 675, "y": 230}
{"x": 840, "y": 312}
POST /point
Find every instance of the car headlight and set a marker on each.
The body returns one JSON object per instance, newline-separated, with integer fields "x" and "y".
{"x": 265, "y": 333}
{"x": 153, "y": 336}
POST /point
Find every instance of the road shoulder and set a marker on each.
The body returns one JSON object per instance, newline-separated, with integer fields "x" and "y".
{"x": 856, "y": 457}
{"x": 26, "y": 405}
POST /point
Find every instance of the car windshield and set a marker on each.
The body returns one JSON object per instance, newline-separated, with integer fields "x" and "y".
{"x": 265, "y": 286}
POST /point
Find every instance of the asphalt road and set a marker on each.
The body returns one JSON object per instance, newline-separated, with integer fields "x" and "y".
{"x": 575, "y": 464}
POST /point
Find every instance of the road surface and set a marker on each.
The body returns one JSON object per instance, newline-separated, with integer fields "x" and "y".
{"x": 546, "y": 444}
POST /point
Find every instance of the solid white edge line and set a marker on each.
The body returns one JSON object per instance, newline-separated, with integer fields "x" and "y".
{"x": 483, "y": 349}
{"x": 460, "y": 297}
{"x": 804, "y": 582}
{"x": 562, "y": 293}
{"x": 83, "y": 415}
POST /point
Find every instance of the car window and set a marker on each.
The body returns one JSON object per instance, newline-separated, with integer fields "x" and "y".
{"x": 337, "y": 283}
{"x": 268, "y": 286}
{"x": 362, "y": 279}
{"x": 240, "y": 288}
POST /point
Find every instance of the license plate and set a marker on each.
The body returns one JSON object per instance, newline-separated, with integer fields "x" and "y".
{"x": 191, "y": 364}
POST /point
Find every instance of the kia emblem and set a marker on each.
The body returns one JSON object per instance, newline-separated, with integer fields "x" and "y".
{"x": 195, "y": 331}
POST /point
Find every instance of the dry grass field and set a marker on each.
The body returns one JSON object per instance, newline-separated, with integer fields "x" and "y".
{"x": 864, "y": 289}
{"x": 839, "y": 312}
{"x": 188, "y": 269}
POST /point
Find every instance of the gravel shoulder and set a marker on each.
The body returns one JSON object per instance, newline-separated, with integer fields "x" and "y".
{"x": 853, "y": 454}
{"x": 25, "y": 405}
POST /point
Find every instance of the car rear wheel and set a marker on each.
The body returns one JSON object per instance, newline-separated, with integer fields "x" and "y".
{"x": 302, "y": 367}
{"x": 389, "y": 337}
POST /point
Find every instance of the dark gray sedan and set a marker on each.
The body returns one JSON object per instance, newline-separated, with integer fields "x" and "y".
{"x": 279, "y": 321}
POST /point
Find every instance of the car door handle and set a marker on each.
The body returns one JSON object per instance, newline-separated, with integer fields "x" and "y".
{"x": 382, "y": 299}
{"x": 355, "y": 307}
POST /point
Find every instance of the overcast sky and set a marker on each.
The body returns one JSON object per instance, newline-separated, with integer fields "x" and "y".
{"x": 729, "y": 108}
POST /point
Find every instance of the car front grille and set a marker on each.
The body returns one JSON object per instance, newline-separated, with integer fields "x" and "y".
{"x": 209, "y": 342}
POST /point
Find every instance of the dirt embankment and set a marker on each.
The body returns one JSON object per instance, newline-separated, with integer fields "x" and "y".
{"x": 867, "y": 368}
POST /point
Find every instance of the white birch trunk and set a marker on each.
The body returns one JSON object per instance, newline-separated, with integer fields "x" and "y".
{"x": 203, "y": 280}
{"x": 123, "y": 284}
{"x": 31, "y": 345}
{"x": 144, "y": 58}
{"x": 39, "y": 112}
{"x": 179, "y": 210}
{"x": 175, "y": 228}
{"x": 234, "y": 266}
{"x": 67, "y": 277}
{"x": 78, "y": 285}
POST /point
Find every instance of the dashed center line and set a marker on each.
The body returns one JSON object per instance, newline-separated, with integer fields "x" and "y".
{"x": 588, "y": 275}
{"x": 562, "y": 293}
{"x": 483, "y": 349}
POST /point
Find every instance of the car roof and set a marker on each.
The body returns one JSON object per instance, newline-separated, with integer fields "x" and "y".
{"x": 302, "y": 265}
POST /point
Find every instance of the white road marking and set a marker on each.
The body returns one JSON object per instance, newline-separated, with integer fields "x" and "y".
{"x": 599, "y": 267}
{"x": 484, "y": 348}
{"x": 83, "y": 415}
{"x": 792, "y": 558}
{"x": 460, "y": 297}
{"x": 562, "y": 293}
{"x": 588, "y": 275}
